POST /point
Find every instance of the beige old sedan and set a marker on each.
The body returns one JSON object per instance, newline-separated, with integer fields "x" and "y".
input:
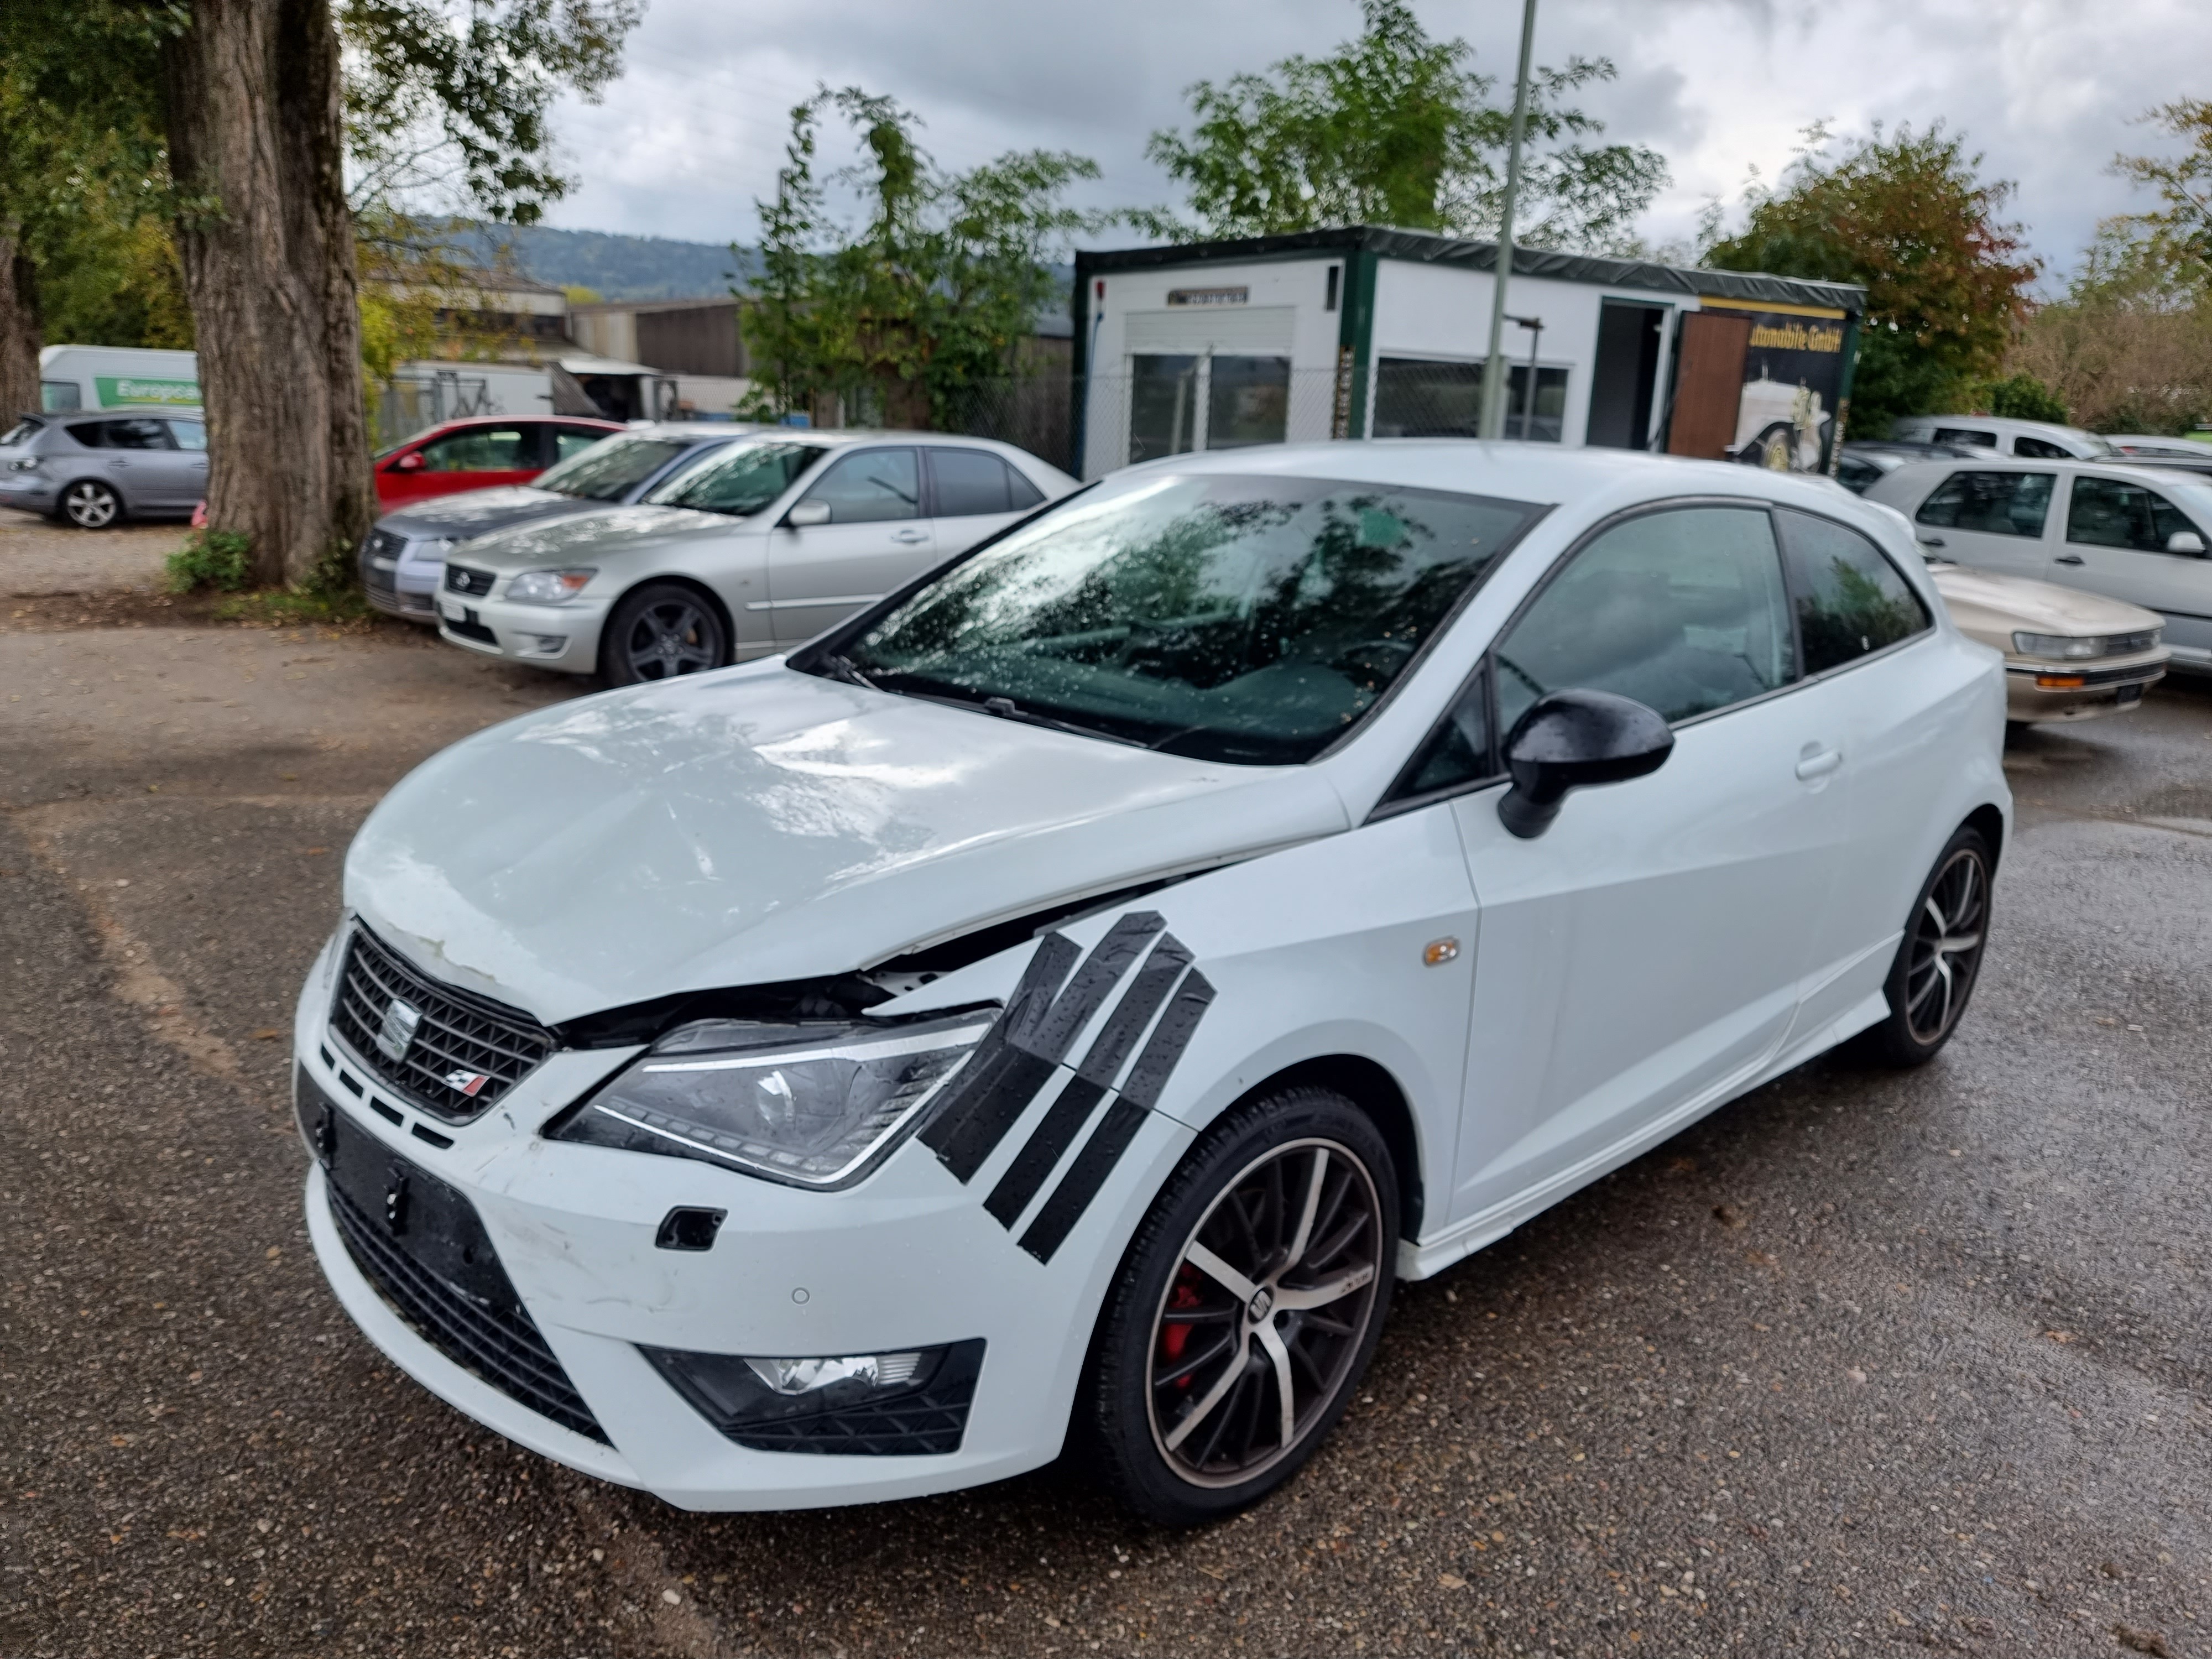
{"x": 2069, "y": 655}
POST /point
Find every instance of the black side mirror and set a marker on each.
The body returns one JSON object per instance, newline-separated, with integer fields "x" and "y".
{"x": 1569, "y": 740}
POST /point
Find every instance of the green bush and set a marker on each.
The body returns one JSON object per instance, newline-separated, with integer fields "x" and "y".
{"x": 221, "y": 559}
{"x": 2024, "y": 398}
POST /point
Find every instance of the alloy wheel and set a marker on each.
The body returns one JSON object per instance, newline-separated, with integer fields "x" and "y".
{"x": 1947, "y": 945}
{"x": 1265, "y": 1314}
{"x": 90, "y": 505}
{"x": 671, "y": 637}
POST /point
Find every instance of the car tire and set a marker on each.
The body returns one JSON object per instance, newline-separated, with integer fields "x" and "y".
{"x": 90, "y": 504}
{"x": 1938, "y": 960}
{"x": 660, "y": 630}
{"x": 1294, "y": 1193}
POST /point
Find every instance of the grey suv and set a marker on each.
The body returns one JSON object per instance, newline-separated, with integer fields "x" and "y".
{"x": 96, "y": 470}
{"x": 403, "y": 557}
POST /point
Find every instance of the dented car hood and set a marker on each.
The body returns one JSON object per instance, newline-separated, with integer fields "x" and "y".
{"x": 760, "y": 825}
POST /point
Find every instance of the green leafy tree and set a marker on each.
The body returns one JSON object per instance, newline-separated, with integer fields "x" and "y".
{"x": 2176, "y": 236}
{"x": 2021, "y": 397}
{"x": 83, "y": 170}
{"x": 2129, "y": 348}
{"x": 930, "y": 295}
{"x": 1907, "y": 215}
{"x": 1396, "y": 128}
{"x": 251, "y": 111}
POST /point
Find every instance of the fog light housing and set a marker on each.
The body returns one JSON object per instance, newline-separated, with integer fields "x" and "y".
{"x": 901, "y": 1402}
{"x": 547, "y": 645}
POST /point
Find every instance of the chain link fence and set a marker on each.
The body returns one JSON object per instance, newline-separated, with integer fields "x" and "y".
{"x": 1172, "y": 405}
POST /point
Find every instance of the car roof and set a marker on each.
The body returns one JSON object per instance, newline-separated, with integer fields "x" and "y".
{"x": 460, "y": 421}
{"x": 1514, "y": 471}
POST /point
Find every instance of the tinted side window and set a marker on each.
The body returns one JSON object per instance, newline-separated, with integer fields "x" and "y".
{"x": 1021, "y": 494}
{"x": 481, "y": 449}
{"x": 2040, "y": 449}
{"x": 870, "y": 487}
{"x": 134, "y": 434}
{"x": 1458, "y": 752}
{"x": 1953, "y": 435}
{"x": 1850, "y": 598}
{"x": 2109, "y": 513}
{"x": 1682, "y": 610}
{"x": 189, "y": 434}
{"x": 968, "y": 481}
{"x": 1991, "y": 503}
{"x": 1855, "y": 475}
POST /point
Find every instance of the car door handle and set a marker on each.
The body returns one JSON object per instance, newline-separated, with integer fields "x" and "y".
{"x": 2068, "y": 558}
{"x": 1931, "y": 541}
{"x": 1820, "y": 764}
{"x": 909, "y": 536}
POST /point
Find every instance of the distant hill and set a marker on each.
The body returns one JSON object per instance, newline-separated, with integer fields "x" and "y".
{"x": 647, "y": 267}
{"x": 618, "y": 267}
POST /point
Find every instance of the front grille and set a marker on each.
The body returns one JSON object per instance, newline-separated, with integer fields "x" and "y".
{"x": 379, "y": 544}
{"x": 424, "y": 1248}
{"x": 459, "y": 579}
{"x": 459, "y": 1036}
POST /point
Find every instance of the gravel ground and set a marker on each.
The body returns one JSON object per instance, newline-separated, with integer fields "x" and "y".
{"x": 1860, "y": 1364}
{"x": 40, "y": 557}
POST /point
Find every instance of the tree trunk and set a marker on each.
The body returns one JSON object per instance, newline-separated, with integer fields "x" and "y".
{"x": 20, "y": 333}
{"x": 255, "y": 135}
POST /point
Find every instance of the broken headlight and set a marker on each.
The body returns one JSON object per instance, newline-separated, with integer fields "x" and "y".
{"x": 814, "y": 1104}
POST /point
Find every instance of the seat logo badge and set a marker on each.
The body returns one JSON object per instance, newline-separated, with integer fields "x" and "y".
{"x": 398, "y": 1030}
{"x": 466, "y": 1083}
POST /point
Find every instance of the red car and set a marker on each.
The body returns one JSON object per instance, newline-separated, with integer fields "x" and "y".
{"x": 480, "y": 453}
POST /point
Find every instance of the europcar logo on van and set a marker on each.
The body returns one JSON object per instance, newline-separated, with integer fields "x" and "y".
{"x": 130, "y": 389}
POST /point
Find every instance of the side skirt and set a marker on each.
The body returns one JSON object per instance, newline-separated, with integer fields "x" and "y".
{"x": 1431, "y": 1256}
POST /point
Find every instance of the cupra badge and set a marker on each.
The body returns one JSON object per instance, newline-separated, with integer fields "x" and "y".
{"x": 398, "y": 1030}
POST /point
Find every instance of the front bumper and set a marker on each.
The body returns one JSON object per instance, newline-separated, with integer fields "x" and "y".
{"x": 565, "y": 637}
{"x": 906, "y": 1259}
{"x": 2037, "y": 690}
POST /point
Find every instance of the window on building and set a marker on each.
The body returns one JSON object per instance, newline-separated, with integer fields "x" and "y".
{"x": 1248, "y": 402}
{"x": 1415, "y": 397}
{"x": 1162, "y": 407}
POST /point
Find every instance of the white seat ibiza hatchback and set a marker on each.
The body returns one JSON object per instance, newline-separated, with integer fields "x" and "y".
{"x": 1055, "y": 1006}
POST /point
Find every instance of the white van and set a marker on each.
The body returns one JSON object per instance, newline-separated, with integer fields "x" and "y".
{"x": 2036, "y": 440}
{"x": 76, "y": 377}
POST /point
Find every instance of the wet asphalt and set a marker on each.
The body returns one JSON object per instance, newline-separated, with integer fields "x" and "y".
{"x": 1863, "y": 1363}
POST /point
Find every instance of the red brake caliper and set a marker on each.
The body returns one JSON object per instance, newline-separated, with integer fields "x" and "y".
{"x": 1185, "y": 1295}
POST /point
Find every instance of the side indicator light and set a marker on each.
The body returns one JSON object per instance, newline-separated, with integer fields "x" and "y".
{"x": 1440, "y": 952}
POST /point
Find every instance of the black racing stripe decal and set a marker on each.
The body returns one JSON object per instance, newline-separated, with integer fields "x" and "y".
{"x": 1054, "y": 959}
{"x": 1084, "y": 1178}
{"x": 1100, "y": 971}
{"x": 1072, "y": 1196}
{"x": 1012, "y": 1086}
{"x": 1044, "y": 1148}
{"x": 1134, "y": 1011}
{"x": 1025, "y": 1177}
{"x": 1168, "y": 1039}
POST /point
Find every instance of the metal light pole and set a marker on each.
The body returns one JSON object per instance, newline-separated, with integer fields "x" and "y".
{"x": 1535, "y": 327}
{"x": 1493, "y": 382}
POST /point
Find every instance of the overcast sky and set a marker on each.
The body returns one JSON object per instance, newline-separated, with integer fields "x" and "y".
{"x": 2047, "y": 90}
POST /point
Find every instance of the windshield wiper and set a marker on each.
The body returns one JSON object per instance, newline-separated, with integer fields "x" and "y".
{"x": 1004, "y": 708}
{"x": 842, "y": 668}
